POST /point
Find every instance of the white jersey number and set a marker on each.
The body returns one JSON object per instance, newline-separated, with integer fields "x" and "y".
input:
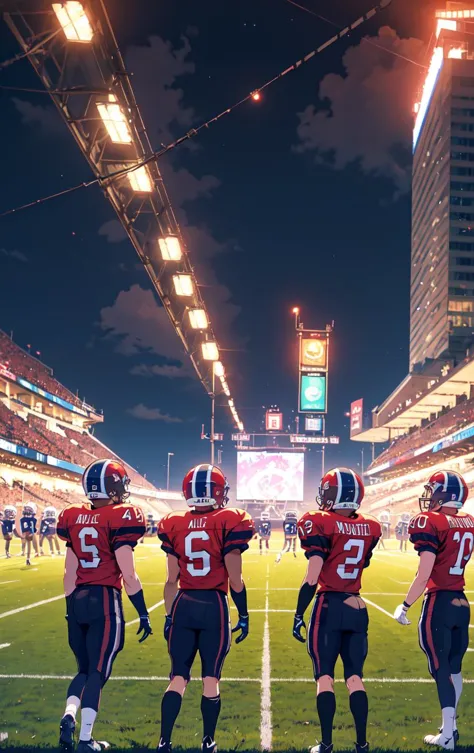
{"x": 89, "y": 548}
{"x": 466, "y": 543}
{"x": 202, "y": 555}
{"x": 352, "y": 544}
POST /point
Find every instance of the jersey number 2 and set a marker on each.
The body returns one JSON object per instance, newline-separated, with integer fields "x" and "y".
{"x": 466, "y": 542}
{"x": 90, "y": 549}
{"x": 205, "y": 564}
{"x": 355, "y": 544}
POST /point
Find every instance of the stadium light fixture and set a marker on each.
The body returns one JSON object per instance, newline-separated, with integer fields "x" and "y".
{"x": 170, "y": 248}
{"x": 198, "y": 319}
{"x": 240, "y": 426}
{"x": 210, "y": 351}
{"x": 140, "y": 180}
{"x": 74, "y": 21}
{"x": 183, "y": 285}
{"x": 225, "y": 387}
{"x": 115, "y": 121}
{"x": 231, "y": 404}
{"x": 219, "y": 369}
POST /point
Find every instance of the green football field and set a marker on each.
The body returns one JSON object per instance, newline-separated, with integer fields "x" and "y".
{"x": 267, "y": 690}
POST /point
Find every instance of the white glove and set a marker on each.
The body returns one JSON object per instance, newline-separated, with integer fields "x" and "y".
{"x": 400, "y": 615}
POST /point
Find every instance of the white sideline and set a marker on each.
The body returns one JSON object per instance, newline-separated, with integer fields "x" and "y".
{"x": 5, "y": 645}
{"x": 165, "y": 678}
{"x": 4, "y": 582}
{"x": 266, "y": 696}
{"x": 151, "y": 609}
{"x": 30, "y": 606}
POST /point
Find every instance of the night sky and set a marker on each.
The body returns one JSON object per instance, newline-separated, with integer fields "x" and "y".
{"x": 300, "y": 199}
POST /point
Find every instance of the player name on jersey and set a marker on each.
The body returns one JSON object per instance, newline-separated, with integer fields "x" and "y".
{"x": 87, "y": 520}
{"x": 354, "y": 529}
{"x": 460, "y": 522}
{"x": 198, "y": 523}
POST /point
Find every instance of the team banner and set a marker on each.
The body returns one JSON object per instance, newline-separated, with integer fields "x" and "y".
{"x": 357, "y": 412}
{"x": 314, "y": 351}
{"x": 313, "y": 393}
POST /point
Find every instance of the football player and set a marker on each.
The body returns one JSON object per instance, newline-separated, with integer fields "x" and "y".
{"x": 8, "y": 527}
{"x": 264, "y": 529}
{"x": 338, "y": 541}
{"x": 384, "y": 519}
{"x": 100, "y": 537}
{"x": 403, "y": 524}
{"x": 203, "y": 548}
{"x": 48, "y": 530}
{"x": 443, "y": 536}
{"x": 290, "y": 533}
{"x": 28, "y": 528}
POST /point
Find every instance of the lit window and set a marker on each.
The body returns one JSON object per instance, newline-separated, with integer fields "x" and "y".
{"x": 170, "y": 248}
{"x": 210, "y": 351}
{"x": 198, "y": 319}
{"x": 73, "y": 19}
{"x": 140, "y": 180}
{"x": 115, "y": 121}
{"x": 183, "y": 285}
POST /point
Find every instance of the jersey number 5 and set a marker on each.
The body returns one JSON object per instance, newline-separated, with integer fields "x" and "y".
{"x": 358, "y": 546}
{"x": 90, "y": 549}
{"x": 205, "y": 564}
{"x": 466, "y": 542}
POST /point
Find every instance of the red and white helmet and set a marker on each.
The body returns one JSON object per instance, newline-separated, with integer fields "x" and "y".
{"x": 106, "y": 479}
{"x": 340, "y": 489}
{"x": 205, "y": 486}
{"x": 444, "y": 488}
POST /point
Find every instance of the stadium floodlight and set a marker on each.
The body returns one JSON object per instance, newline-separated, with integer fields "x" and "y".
{"x": 198, "y": 319}
{"x": 225, "y": 387}
{"x": 74, "y": 21}
{"x": 170, "y": 248}
{"x": 210, "y": 351}
{"x": 219, "y": 369}
{"x": 115, "y": 121}
{"x": 183, "y": 285}
{"x": 231, "y": 404}
{"x": 140, "y": 180}
{"x": 240, "y": 426}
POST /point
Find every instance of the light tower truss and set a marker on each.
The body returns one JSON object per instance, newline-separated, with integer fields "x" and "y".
{"x": 73, "y": 49}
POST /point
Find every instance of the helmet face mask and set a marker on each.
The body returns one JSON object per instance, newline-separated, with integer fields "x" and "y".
{"x": 9, "y": 512}
{"x": 206, "y": 486}
{"x": 265, "y": 515}
{"x": 340, "y": 489}
{"x": 443, "y": 489}
{"x": 29, "y": 509}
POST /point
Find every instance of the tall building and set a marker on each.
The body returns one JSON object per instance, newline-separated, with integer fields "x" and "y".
{"x": 442, "y": 257}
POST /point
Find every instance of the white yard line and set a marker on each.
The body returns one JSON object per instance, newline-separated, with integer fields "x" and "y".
{"x": 4, "y": 582}
{"x": 30, "y": 606}
{"x": 151, "y": 609}
{"x": 5, "y": 645}
{"x": 372, "y": 604}
{"x": 266, "y": 694}
{"x": 165, "y": 678}
{"x": 400, "y": 582}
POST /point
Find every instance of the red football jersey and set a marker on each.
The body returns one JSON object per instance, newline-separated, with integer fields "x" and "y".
{"x": 200, "y": 541}
{"x": 451, "y": 538}
{"x": 345, "y": 544}
{"x": 94, "y": 534}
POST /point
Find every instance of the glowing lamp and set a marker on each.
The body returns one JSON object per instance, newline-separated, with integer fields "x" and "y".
{"x": 295, "y": 310}
{"x": 198, "y": 319}
{"x": 210, "y": 351}
{"x": 225, "y": 387}
{"x": 115, "y": 121}
{"x": 444, "y": 23}
{"x": 140, "y": 180}
{"x": 170, "y": 248}
{"x": 240, "y": 426}
{"x": 256, "y": 96}
{"x": 183, "y": 285}
{"x": 231, "y": 403}
{"x": 219, "y": 369}
{"x": 456, "y": 53}
{"x": 73, "y": 19}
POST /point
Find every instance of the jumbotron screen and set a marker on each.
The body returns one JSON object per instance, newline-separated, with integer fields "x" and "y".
{"x": 270, "y": 475}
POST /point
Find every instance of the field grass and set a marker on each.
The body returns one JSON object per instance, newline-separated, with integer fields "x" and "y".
{"x": 403, "y": 703}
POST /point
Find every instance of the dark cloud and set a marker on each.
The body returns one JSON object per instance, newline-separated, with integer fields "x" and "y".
{"x": 17, "y": 255}
{"x": 367, "y": 115}
{"x": 113, "y": 231}
{"x": 144, "y": 413}
{"x": 165, "y": 370}
{"x": 46, "y": 117}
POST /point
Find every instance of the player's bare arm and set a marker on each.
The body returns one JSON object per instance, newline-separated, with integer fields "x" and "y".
{"x": 70, "y": 572}
{"x": 170, "y": 590}
{"x": 133, "y": 589}
{"x": 417, "y": 588}
{"x": 238, "y": 592}
{"x": 306, "y": 595}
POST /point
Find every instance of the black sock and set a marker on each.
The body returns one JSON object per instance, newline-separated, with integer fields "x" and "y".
{"x": 360, "y": 710}
{"x": 326, "y": 706}
{"x": 210, "y": 710}
{"x": 170, "y": 707}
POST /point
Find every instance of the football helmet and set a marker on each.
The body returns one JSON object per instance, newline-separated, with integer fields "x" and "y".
{"x": 444, "y": 488}
{"x": 205, "y": 486}
{"x": 291, "y": 515}
{"x": 264, "y": 515}
{"x": 340, "y": 489}
{"x": 9, "y": 512}
{"x": 50, "y": 512}
{"x": 29, "y": 509}
{"x": 106, "y": 479}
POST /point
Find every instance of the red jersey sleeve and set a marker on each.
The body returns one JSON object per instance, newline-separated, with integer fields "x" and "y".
{"x": 238, "y": 531}
{"x": 423, "y": 534}
{"x": 127, "y": 526}
{"x": 314, "y": 539}
{"x": 165, "y": 529}
{"x": 63, "y": 528}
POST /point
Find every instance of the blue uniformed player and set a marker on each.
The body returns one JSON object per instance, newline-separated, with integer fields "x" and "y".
{"x": 290, "y": 529}
{"x": 264, "y": 530}
{"x": 403, "y": 524}
{"x": 8, "y": 527}
{"x": 28, "y": 529}
{"x": 48, "y": 528}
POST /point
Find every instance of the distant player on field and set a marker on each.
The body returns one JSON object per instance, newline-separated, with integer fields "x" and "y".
{"x": 8, "y": 527}
{"x": 204, "y": 548}
{"x": 443, "y": 536}
{"x": 290, "y": 533}
{"x": 264, "y": 530}
{"x": 28, "y": 529}
{"x": 338, "y": 542}
{"x": 100, "y": 538}
{"x": 48, "y": 530}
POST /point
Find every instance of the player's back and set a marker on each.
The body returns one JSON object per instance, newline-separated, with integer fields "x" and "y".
{"x": 344, "y": 543}
{"x": 451, "y": 539}
{"x": 290, "y": 527}
{"x": 94, "y": 534}
{"x": 200, "y": 541}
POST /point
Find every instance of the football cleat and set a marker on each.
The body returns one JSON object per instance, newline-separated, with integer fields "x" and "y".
{"x": 361, "y": 748}
{"x": 67, "y": 727}
{"x": 447, "y": 743}
{"x": 86, "y": 746}
{"x": 164, "y": 747}
{"x": 322, "y": 748}
{"x": 455, "y": 735}
{"x": 28, "y": 562}
{"x": 278, "y": 559}
{"x": 208, "y": 745}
